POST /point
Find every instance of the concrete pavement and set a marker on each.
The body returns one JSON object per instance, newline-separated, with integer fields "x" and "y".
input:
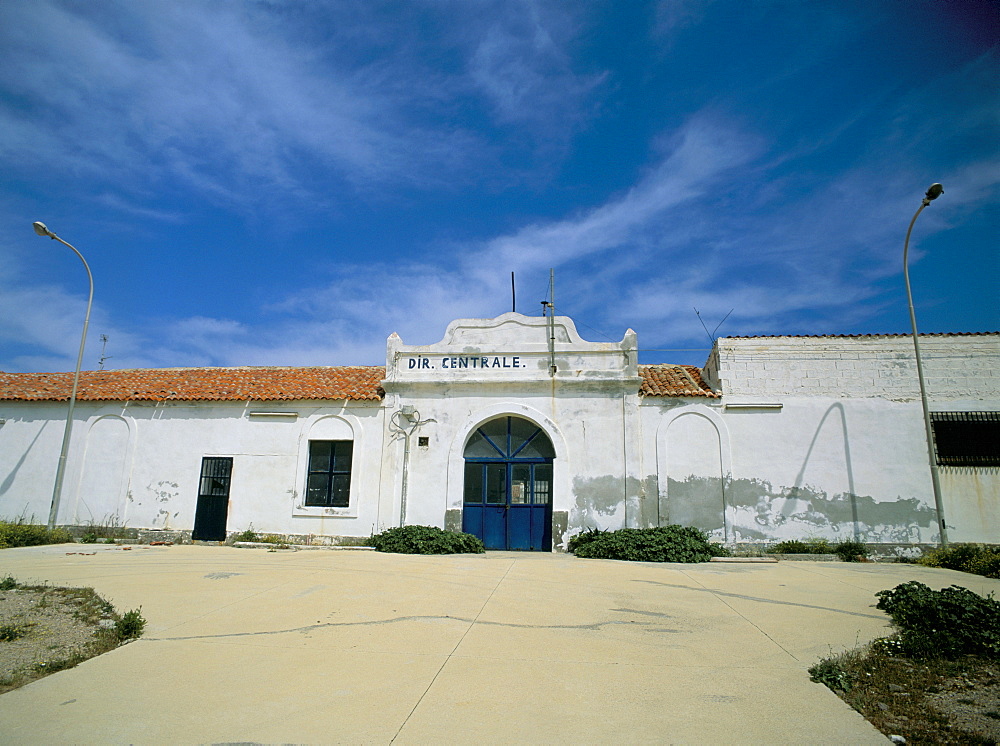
{"x": 246, "y": 645}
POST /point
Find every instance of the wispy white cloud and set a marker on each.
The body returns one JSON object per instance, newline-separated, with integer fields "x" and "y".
{"x": 521, "y": 67}
{"x": 203, "y": 95}
{"x": 226, "y": 100}
{"x": 248, "y": 106}
{"x": 703, "y": 151}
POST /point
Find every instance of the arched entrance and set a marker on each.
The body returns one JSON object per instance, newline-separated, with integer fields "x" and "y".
{"x": 508, "y": 485}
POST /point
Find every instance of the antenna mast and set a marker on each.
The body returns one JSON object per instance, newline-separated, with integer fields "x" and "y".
{"x": 552, "y": 322}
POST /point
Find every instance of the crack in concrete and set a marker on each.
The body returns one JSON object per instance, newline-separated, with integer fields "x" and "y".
{"x": 643, "y": 613}
{"x": 594, "y": 626}
{"x": 764, "y": 600}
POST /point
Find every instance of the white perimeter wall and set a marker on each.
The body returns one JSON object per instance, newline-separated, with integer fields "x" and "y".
{"x": 139, "y": 464}
{"x": 814, "y": 437}
{"x": 845, "y": 452}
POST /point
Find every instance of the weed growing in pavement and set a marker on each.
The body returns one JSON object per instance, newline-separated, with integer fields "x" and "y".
{"x": 248, "y": 535}
{"x": 131, "y": 625}
{"x": 11, "y": 632}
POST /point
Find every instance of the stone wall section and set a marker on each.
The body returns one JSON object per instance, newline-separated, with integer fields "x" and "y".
{"x": 956, "y": 367}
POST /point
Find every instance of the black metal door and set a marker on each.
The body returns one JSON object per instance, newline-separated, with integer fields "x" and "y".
{"x": 213, "y": 499}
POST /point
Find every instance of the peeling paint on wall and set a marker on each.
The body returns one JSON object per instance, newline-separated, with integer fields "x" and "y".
{"x": 646, "y": 494}
{"x": 599, "y": 502}
{"x": 759, "y": 511}
{"x": 162, "y": 494}
{"x": 453, "y": 519}
{"x": 697, "y": 501}
{"x": 560, "y": 524}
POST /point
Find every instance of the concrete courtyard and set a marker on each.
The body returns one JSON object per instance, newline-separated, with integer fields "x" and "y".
{"x": 251, "y": 646}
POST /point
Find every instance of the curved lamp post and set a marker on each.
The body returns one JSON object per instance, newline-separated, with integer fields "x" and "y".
{"x": 935, "y": 191}
{"x": 41, "y": 230}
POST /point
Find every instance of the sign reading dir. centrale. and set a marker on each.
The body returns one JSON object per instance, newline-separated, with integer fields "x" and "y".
{"x": 461, "y": 362}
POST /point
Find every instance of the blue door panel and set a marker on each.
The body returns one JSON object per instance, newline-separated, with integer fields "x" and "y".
{"x": 472, "y": 520}
{"x": 541, "y": 527}
{"x": 519, "y": 527}
{"x": 494, "y": 527}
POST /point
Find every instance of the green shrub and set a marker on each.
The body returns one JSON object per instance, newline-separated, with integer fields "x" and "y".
{"x": 851, "y": 551}
{"x": 8, "y": 583}
{"x": 979, "y": 559}
{"x": 948, "y": 623}
{"x": 819, "y": 546}
{"x": 845, "y": 549}
{"x": 88, "y": 538}
{"x": 790, "y": 546}
{"x": 585, "y": 537}
{"x": 661, "y": 544}
{"x": 425, "y": 540}
{"x": 20, "y": 534}
{"x": 987, "y": 564}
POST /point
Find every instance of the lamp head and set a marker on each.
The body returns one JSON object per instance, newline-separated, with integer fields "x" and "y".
{"x": 41, "y": 230}
{"x": 934, "y": 191}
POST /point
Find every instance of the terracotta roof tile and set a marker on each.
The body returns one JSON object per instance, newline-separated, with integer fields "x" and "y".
{"x": 674, "y": 380}
{"x": 856, "y": 336}
{"x": 269, "y": 384}
{"x": 203, "y": 384}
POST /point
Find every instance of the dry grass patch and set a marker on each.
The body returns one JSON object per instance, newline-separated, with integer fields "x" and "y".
{"x": 44, "y": 629}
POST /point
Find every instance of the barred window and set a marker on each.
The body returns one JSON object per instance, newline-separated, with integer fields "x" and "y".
{"x": 966, "y": 438}
{"x": 329, "y": 480}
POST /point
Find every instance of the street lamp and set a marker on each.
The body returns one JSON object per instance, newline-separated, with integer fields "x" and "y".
{"x": 935, "y": 191}
{"x": 41, "y": 230}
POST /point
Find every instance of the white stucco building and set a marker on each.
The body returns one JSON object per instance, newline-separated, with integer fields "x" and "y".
{"x": 521, "y": 432}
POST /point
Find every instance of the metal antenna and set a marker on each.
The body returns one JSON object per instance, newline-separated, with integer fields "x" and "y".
{"x": 513, "y": 295}
{"x": 104, "y": 347}
{"x": 711, "y": 336}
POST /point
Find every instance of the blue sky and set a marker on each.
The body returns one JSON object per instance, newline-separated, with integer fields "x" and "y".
{"x": 287, "y": 183}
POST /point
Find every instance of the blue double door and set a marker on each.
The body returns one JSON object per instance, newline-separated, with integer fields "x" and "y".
{"x": 508, "y": 485}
